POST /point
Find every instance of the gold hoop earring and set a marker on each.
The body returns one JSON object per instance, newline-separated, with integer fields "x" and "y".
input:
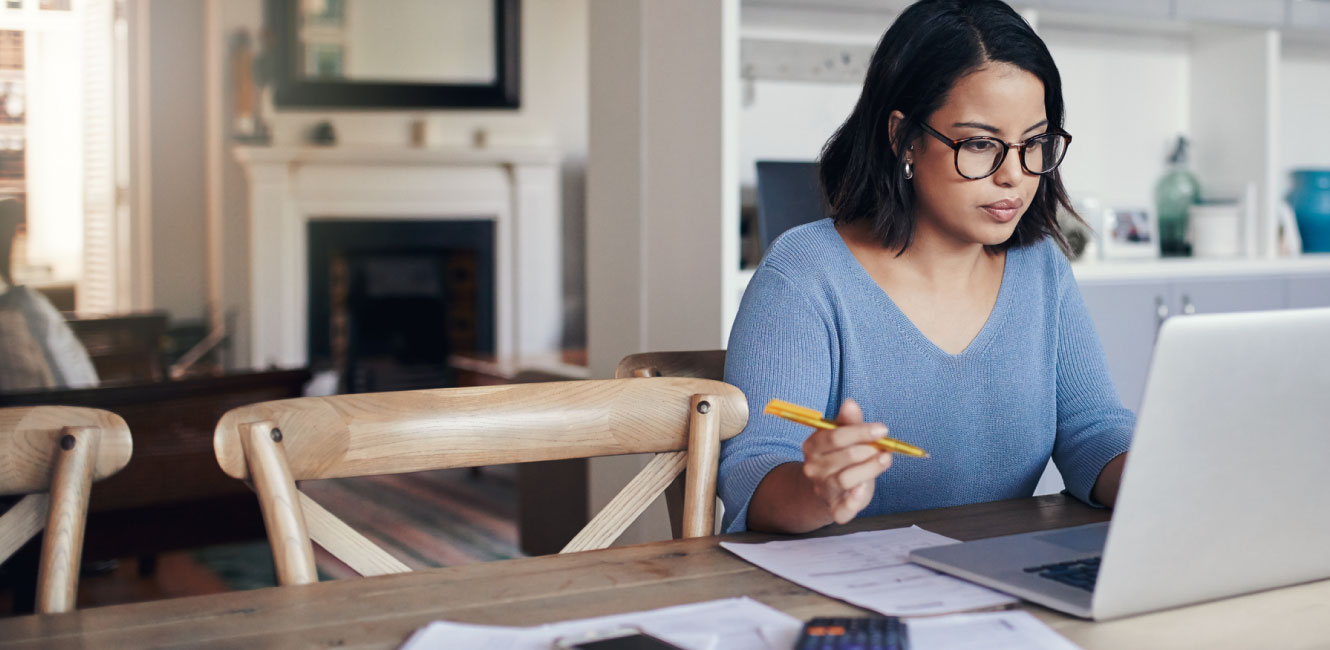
{"x": 909, "y": 170}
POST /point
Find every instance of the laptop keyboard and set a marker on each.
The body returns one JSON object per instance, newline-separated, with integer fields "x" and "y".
{"x": 1077, "y": 573}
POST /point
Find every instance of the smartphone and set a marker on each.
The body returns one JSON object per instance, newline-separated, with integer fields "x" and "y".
{"x": 621, "y": 639}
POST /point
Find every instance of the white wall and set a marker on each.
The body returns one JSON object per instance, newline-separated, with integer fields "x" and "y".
{"x": 553, "y": 113}
{"x": 788, "y": 120}
{"x": 177, "y": 165}
{"x": 1304, "y": 100}
{"x": 791, "y": 120}
{"x": 1127, "y": 100}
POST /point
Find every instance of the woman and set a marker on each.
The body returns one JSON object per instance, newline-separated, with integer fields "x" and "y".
{"x": 38, "y": 350}
{"x": 936, "y": 300}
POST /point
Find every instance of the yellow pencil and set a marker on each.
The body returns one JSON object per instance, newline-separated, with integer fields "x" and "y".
{"x": 809, "y": 417}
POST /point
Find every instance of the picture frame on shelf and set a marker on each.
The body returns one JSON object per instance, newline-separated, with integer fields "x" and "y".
{"x": 1129, "y": 232}
{"x": 324, "y": 60}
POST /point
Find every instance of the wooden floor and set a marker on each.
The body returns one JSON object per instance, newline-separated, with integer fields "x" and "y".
{"x": 441, "y": 518}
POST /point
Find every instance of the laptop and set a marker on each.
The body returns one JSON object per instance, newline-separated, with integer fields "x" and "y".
{"x": 1224, "y": 489}
{"x": 789, "y": 193}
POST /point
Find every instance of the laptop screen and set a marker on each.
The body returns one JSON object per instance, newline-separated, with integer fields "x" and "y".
{"x": 789, "y": 194}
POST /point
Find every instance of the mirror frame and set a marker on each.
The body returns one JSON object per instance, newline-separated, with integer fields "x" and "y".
{"x": 290, "y": 90}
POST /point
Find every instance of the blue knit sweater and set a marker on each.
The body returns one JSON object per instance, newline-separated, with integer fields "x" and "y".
{"x": 814, "y": 329}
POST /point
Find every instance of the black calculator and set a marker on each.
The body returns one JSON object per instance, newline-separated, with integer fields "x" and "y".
{"x": 854, "y": 633}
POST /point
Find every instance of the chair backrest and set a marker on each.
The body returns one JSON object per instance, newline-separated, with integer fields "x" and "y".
{"x": 277, "y": 443}
{"x": 703, "y": 364}
{"x": 52, "y": 454}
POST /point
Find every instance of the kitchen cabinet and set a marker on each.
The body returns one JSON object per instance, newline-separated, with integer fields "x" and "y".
{"x": 1249, "y": 13}
{"x": 1128, "y": 312}
{"x": 1224, "y": 295}
{"x": 1309, "y": 291}
{"x": 1128, "y": 305}
{"x": 1126, "y": 316}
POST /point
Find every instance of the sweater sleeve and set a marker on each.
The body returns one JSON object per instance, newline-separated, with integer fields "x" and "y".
{"x": 1093, "y": 426}
{"x": 780, "y": 347}
{"x": 65, "y": 354}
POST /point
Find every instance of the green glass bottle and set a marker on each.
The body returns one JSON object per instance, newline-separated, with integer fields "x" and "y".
{"x": 1176, "y": 191}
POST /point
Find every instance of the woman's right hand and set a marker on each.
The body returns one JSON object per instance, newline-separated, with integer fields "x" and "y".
{"x": 843, "y": 464}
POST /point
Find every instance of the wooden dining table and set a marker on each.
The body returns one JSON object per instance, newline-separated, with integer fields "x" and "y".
{"x": 381, "y": 612}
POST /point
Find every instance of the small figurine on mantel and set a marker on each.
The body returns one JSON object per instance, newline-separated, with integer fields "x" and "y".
{"x": 323, "y": 134}
{"x": 426, "y": 132}
{"x": 249, "y": 76}
{"x": 420, "y": 132}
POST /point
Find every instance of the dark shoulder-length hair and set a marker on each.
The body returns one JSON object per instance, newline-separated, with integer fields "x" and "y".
{"x": 930, "y": 46}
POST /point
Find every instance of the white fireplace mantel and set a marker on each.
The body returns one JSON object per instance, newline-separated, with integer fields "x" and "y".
{"x": 518, "y": 189}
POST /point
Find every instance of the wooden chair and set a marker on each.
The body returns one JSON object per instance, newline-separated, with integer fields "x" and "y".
{"x": 172, "y": 495}
{"x": 703, "y": 364}
{"x": 52, "y": 454}
{"x": 275, "y": 444}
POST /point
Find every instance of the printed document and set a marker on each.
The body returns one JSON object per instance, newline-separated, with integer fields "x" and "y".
{"x": 872, "y": 570}
{"x": 1009, "y": 630}
{"x": 729, "y": 624}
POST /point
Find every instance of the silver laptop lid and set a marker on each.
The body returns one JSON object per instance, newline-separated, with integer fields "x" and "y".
{"x": 1225, "y": 489}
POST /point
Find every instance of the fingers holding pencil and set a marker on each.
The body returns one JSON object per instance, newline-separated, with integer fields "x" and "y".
{"x": 841, "y": 463}
{"x": 806, "y": 416}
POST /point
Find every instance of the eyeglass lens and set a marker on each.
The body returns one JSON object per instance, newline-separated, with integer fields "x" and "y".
{"x": 981, "y": 157}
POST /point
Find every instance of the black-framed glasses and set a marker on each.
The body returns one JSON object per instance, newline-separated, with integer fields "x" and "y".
{"x": 980, "y": 156}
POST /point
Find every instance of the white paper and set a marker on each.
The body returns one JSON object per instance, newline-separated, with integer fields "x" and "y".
{"x": 1009, "y": 630}
{"x": 729, "y": 624}
{"x": 872, "y": 570}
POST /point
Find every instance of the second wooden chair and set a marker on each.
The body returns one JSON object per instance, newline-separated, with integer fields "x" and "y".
{"x": 275, "y": 444}
{"x": 52, "y": 454}
{"x": 703, "y": 364}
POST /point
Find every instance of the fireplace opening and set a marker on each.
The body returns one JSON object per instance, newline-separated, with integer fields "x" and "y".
{"x": 390, "y": 301}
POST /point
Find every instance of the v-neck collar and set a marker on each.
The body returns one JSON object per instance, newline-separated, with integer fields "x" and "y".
{"x": 996, "y": 318}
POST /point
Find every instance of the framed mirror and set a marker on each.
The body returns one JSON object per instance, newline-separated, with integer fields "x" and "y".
{"x": 375, "y": 54}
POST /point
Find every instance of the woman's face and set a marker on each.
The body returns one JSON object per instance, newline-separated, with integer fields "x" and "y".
{"x": 999, "y": 100}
